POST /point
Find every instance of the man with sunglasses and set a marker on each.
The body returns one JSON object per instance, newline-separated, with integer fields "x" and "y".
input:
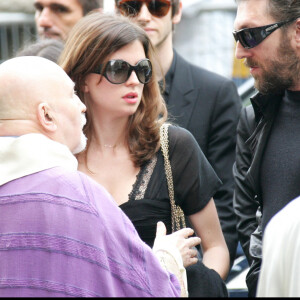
{"x": 55, "y": 18}
{"x": 203, "y": 102}
{"x": 267, "y": 164}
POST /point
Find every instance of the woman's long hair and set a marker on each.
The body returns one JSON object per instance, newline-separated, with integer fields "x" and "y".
{"x": 91, "y": 41}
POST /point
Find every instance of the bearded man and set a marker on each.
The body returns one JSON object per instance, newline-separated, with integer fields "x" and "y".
{"x": 267, "y": 168}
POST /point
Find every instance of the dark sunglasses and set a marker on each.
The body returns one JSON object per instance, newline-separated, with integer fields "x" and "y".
{"x": 251, "y": 37}
{"x": 118, "y": 71}
{"x": 157, "y": 8}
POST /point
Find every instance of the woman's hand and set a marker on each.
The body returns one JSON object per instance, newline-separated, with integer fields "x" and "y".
{"x": 180, "y": 240}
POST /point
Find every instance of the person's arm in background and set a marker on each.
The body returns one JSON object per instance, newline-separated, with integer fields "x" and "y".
{"x": 221, "y": 155}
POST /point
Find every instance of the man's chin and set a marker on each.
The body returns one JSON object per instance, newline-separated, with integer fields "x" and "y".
{"x": 82, "y": 145}
{"x": 46, "y": 35}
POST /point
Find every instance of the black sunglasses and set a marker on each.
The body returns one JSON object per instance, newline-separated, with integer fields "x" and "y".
{"x": 157, "y": 8}
{"x": 118, "y": 71}
{"x": 251, "y": 37}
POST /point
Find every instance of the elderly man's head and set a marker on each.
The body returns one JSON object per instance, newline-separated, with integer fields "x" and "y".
{"x": 55, "y": 18}
{"x": 37, "y": 96}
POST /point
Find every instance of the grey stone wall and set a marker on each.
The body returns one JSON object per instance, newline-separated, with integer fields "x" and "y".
{"x": 25, "y": 6}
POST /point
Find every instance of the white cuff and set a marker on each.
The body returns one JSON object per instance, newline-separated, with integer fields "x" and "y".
{"x": 171, "y": 260}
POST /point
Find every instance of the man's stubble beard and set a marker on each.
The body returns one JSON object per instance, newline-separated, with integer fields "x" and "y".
{"x": 282, "y": 74}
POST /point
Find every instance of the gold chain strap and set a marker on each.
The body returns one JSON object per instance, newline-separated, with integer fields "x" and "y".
{"x": 177, "y": 215}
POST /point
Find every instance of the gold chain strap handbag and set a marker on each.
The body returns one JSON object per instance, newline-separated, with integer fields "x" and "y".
{"x": 177, "y": 215}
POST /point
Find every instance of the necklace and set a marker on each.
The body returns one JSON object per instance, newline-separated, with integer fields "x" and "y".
{"x": 109, "y": 146}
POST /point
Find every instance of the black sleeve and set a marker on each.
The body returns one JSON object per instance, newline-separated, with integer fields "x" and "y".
{"x": 195, "y": 181}
{"x": 245, "y": 205}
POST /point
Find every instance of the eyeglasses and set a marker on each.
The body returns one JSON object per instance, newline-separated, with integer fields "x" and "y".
{"x": 157, "y": 8}
{"x": 251, "y": 37}
{"x": 118, "y": 71}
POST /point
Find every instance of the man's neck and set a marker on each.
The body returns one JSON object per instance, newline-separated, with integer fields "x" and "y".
{"x": 17, "y": 127}
{"x": 165, "y": 55}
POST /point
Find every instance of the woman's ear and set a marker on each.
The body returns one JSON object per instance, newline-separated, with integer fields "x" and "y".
{"x": 85, "y": 88}
{"x": 45, "y": 116}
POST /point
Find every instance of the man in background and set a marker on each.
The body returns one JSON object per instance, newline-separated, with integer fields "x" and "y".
{"x": 203, "y": 102}
{"x": 55, "y": 18}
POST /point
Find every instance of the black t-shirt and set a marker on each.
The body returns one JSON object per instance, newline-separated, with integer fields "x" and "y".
{"x": 195, "y": 183}
{"x": 280, "y": 169}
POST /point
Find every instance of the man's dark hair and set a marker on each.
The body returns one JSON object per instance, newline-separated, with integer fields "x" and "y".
{"x": 175, "y": 7}
{"x": 282, "y": 10}
{"x": 89, "y": 5}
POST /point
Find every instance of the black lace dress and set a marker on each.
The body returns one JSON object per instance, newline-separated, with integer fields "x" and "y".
{"x": 195, "y": 183}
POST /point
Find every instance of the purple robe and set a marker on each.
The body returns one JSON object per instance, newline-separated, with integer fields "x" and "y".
{"x": 61, "y": 234}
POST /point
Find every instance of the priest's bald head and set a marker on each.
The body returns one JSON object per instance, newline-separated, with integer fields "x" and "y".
{"x": 37, "y": 96}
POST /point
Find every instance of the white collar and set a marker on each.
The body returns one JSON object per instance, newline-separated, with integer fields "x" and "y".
{"x": 32, "y": 153}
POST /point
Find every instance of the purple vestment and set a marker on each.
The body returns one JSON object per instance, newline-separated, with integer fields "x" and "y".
{"x": 61, "y": 234}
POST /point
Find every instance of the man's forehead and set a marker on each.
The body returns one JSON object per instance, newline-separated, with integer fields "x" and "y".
{"x": 251, "y": 13}
{"x": 67, "y": 3}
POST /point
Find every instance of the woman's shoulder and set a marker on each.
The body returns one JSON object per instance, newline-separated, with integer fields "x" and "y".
{"x": 176, "y": 131}
{"x": 181, "y": 137}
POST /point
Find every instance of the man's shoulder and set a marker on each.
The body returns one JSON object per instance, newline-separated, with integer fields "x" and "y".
{"x": 247, "y": 121}
{"x": 181, "y": 139}
{"x": 59, "y": 182}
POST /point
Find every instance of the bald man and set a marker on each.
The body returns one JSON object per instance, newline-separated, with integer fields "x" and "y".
{"x": 38, "y": 97}
{"x": 61, "y": 234}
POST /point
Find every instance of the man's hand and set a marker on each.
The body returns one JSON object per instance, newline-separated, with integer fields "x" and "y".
{"x": 180, "y": 240}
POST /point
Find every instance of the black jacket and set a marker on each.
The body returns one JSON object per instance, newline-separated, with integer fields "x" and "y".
{"x": 209, "y": 106}
{"x": 253, "y": 131}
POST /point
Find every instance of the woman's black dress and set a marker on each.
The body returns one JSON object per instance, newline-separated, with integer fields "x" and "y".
{"x": 195, "y": 183}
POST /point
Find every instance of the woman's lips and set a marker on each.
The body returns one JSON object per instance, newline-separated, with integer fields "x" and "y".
{"x": 131, "y": 98}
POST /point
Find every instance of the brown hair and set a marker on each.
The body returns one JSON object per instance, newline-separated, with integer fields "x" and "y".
{"x": 175, "y": 6}
{"x": 92, "y": 40}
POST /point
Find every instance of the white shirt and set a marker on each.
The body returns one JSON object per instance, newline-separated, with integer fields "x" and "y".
{"x": 280, "y": 270}
{"x": 31, "y": 153}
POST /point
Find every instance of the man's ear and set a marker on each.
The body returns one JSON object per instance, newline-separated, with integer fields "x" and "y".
{"x": 45, "y": 117}
{"x": 177, "y": 18}
{"x": 297, "y": 35}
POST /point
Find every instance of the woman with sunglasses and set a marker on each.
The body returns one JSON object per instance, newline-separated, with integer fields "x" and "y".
{"x": 203, "y": 102}
{"x": 110, "y": 60}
